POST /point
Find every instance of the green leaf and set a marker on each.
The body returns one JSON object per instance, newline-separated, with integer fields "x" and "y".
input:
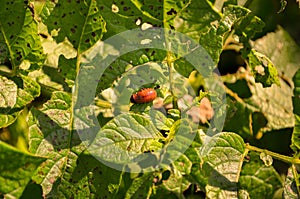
{"x": 141, "y": 67}
{"x": 124, "y": 138}
{"x": 196, "y": 174}
{"x": 283, "y": 51}
{"x": 8, "y": 92}
{"x": 125, "y": 15}
{"x": 296, "y": 103}
{"x": 81, "y": 22}
{"x": 30, "y": 90}
{"x": 212, "y": 41}
{"x": 160, "y": 121}
{"x": 68, "y": 70}
{"x": 15, "y": 175}
{"x": 19, "y": 34}
{"x": 222, "y": 157}
{"x": 242, "y": 20}
{"x": 43, "y": 9}
{"x": 258, "y": 180}
{"x": 140, "y": 186}
{"x": 15, "y": 98}
{"x": 49, "y": 135}
{"x": 263, "y": 69}
{"x": 176, "y": 183}
{"x": 195, "y": 18}
{"x": 239, "y": 117}
{"x": 296, "y": 97}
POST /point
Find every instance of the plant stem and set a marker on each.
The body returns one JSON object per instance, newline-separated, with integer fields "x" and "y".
{"x": 170, "y": 63}
{"x": 277, "y": 156}
{"x": 295, "y": 173}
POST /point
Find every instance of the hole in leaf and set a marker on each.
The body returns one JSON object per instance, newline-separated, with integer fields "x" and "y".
{"x": 171, "y": 12}
{"x": 114, "y": 8}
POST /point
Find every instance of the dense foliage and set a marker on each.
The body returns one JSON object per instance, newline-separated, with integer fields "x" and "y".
{"x": 225, "y": 123}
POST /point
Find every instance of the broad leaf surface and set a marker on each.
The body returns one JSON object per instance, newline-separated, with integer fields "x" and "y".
{"x": 258, "y": 180}
{"x": 124, "y": 138}
{"x": 81, "y": 22}
{"x": 50, "y": 136}
{"x": 222, "y": 160}
{"x": 15, "y": 94}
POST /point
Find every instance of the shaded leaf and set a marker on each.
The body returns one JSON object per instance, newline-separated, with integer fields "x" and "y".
{"x": 15, "y": 175}
{"x": 140, "y": 186}
{"x": 257, "y": 179}
{"x": 296, "y": 103}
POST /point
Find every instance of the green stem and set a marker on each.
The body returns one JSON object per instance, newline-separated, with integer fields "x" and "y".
{"x": 287, "y": 159}
{"x": 295, "y": 173}
{"x": 170, "y": 67}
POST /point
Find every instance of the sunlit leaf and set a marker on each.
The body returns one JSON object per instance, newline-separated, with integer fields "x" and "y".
{"x": 222, "y": 159}
{"x": 81, "y": 22}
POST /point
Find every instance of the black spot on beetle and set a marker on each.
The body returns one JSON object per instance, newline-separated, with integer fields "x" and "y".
{"x": 126, "y": 8}
{"x": 73, "y": 30}
{"x": 93, "y": 34}
{"x": 87, "y": 40}
{"x": 63, "y": 15}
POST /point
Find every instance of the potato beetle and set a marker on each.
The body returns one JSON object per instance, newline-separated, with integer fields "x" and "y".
{"x": 144, "y": 96}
